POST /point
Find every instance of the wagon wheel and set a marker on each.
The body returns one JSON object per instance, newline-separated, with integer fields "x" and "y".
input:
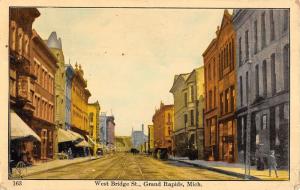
{"x": 21, "y": 169}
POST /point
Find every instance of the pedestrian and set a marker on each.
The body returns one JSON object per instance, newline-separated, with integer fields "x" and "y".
{"x": 70, "y": 153}
{"x": 272, "y": 163}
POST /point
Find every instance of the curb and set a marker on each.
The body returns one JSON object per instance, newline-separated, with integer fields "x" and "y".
{"x": 235, "y": 174}
{"x": 62, "y": 166}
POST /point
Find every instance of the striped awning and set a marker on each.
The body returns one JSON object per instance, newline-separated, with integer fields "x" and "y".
{"x": 67, "y": 135}
{"x": 83, "y": 144}
{"x": 20, "y": 130}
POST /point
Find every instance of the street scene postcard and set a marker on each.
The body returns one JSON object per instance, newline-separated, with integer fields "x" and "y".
{"x": 149, "y": 97}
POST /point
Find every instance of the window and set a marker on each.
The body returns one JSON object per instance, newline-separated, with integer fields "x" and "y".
{"x": 185, "y": 119}
{"x": 286, "y": 66}
{"x": 209, "y": 72}
{"x": 210, "y": 99}
{"x": 192, "y": 93}
{"x": 241, "y": 90}
{"x": 247, "y": 86}
{"x": 232, "y": 99}
{"x": 226, "y": 100}
{"x": 272, "y": 29}
{"x": 221, "y": 103}
{"x": 255, "y": 37}
{"x": 264, "y": 122}
{"x": 256, "y": 81}
{"x": 91, "y": 117}
{"x": 169, "y": 118}
{"x": 226, "y": 56}
{"x": 232, "y": 54}
{"x": 273, "y": 74}
{"x": 213, "y": 132}
{"x": 247, "y": 45}
{"x": 214, "y": 68}
{"x": 264, "y": 77}
{"x": 185, "y": 99}
{"x": 263, "y": 30}
{"x": 215, "y": 100}
{"x": 192, "y": 117}
{"x": 286, "y": 20}
{"x": 229, "y": 55}
{"x": 240, "y": 51}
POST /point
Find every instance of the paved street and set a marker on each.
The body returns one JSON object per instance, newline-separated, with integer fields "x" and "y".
{"x": 125, "y": 166}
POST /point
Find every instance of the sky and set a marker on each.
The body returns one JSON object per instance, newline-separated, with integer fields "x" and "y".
{"x": 130, "y": 56}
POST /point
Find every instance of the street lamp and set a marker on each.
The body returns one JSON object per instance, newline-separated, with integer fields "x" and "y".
{"x": 248, "y": 130}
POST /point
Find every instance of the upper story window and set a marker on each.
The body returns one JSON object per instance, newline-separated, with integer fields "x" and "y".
{"x": 247, "y": 44}
{"x": 255, "y": 37}
{"x": 185, "y": 99}
{"x": 263, "y": 30}
{"x": 192, "y": 93}
{"x": 273, "y": 74}
{"x": 272, "y": 27}
{"x": 240, "y": 51}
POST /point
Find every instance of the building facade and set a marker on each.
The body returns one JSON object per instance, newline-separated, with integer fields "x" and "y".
{"x": 195, "y": 107}
{"x": 22, "y": 73}
{"x": 262, "y": 63}
{"x": 55, "y": 46}
{"x": 43, "y": 121}
{"x": 163, "y": 122}
{"x": 80, "y": 96}
{"x": 221, "y": 131}
{"x": 138, "y": 139}
{"x": 103, "y": 130}
{"x": 69, "y": 72}
{"x": 93, "y": 111}
{"x": 110, "y": 131}
{"x": 179, "y": 91}
{"x": 150, "y": 138}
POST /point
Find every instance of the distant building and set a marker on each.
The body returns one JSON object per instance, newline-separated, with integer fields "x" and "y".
{"x": 80, "y": 95}
{"x": 103, "y": 129}
{"x": 110, "y": 131}
{"x": 107, "y": 131}
{"x": 163, "y": 122}
{"x": 150, "y": 138}
{"x": 263, "y": 81}
{"x": 69, "y": 72}
{"x": 93, "y": 112}
{"x": 138, "y": 138}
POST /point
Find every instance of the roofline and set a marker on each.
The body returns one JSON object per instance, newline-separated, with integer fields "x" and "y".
{"x": 35, "y": 35}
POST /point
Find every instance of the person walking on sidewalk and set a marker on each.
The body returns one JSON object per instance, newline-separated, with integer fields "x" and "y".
{"x": 272, "y": 163}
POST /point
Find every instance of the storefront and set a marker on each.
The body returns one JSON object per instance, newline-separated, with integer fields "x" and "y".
{"x": 22, "y": 139}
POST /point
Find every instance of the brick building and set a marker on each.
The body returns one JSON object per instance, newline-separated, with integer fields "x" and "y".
{"x": 220, "y": 79}
{"x": 45, "y": 66}
{"x": 22, "y": 77}
{"x": 163, "y": 122}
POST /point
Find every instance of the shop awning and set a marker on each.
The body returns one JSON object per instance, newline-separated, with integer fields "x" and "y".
{"x": 77, "y": 135}
{"x": 65, "y": 136}
{"x": 19, "y": 129}
{"x": 83, "y": 144}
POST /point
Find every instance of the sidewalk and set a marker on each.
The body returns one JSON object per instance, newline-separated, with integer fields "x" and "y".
{"x": 234, "y": 169}
{"x": 54, "y": 164}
